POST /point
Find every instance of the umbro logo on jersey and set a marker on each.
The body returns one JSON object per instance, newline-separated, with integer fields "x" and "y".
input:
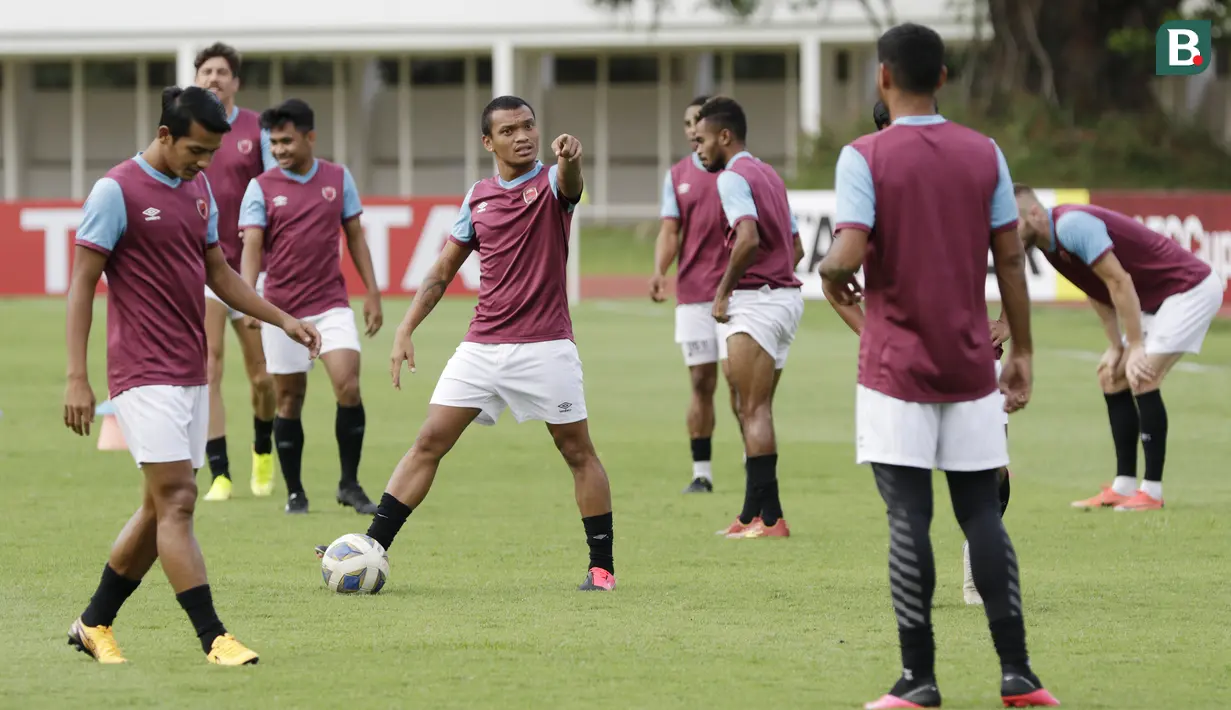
{"x": 279, "y": 201}
{"x": 564, "y": 406}
{"x": 482, "y": 207}
{"x": 151, "y": 214}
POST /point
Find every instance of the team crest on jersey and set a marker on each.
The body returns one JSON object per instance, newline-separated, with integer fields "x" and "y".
{"x": 530, "y": 194}
{"x": 329, "y": 193}
{"x": 244, "y": 146}
{"x": 684, "y": 188}
{"x": 203, "y": 208}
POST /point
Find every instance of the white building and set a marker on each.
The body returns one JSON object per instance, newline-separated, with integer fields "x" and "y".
{"x": 398, "y": 84}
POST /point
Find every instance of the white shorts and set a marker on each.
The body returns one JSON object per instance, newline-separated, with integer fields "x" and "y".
{"x": 697, "y": 333}
{"x": 1181, "y": 322}
{"x": 770, "y": 316}
{"x": 234, "y": 314}
{"x": 536, "y": 381}
{"x": 959, "y": 436}
{"x": 164, "y": 423}
{"x": 1004, "y": 416}
{"x": 284, "y": 356}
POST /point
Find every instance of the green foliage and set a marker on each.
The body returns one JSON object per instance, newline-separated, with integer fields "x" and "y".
{"x": 1045, "y": 147}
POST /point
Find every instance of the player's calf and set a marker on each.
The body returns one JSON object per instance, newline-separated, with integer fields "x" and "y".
{"x": 593, "y": 492}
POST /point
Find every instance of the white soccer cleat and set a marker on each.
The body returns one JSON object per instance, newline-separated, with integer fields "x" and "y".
{"x": 969, "y": 592}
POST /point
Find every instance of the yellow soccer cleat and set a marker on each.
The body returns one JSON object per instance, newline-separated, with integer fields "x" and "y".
{"x": 220, "y": 489}
{"x": 97, "y": 641}
{"x": 228, "y": 651}
{"x": 262, "y": 474}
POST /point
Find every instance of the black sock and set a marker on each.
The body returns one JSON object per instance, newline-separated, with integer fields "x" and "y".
{"x": 752, "y": 501}
{"x": 1005, "y": 491}
{"x": 199, "y": 604}
{"x": 1125, "y": 429}
{"x": 702, "y": 450}
{"x": 391, "y": 514}
{"x": 1009, "y": 638}
{"x": 918, "y": 658}
{"x": 113, "y": 590}
{"x": 262, "y": 436}
{"x": 1153, "y": 433}
{"x": 599, "y": 537}
{"x": 763, "y": 484}
{"x": 216, "y": 453}
{"x": 288, "y": 435}
{"x": 348, "y": 427}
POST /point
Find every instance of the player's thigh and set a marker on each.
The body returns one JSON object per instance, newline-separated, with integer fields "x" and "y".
{"x": 216, "y": 315}
{"x": 164, "y": 423}
{"x": 283, "y": 356}
{"x": 468, "y": 381}
{"x": 895, "y": 432}
{"x": 704, "y": 378}
{"x": 338, "y": 330}
{"x": 251, "y": 347}
{"x": 752, "y": 369}
{"x": 696, "y": 333}
{"x": 170, "y": 485}
{"x": 972, "y": 435}
{"x": 543, "y": 382}
{"x": 573, "y": 441}
{"x": 343, "y": 369}
{"x": 443, "y": 427}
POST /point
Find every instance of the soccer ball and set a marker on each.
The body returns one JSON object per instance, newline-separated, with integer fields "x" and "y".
{"x": 355, "y": 564}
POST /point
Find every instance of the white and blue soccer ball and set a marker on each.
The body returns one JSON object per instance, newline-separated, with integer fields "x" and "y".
{"x": 355, "y": 564}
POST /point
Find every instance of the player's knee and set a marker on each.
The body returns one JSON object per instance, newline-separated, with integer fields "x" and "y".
{"x": 432, "y": 443}
{"x": 290, "y": 403}
{"x": 347, "y": 392}
{"x": 704, "y": 381}
{"x": 261, "y": 382}
{"x": 176, "y": 501}
{"x": 576, "y": 450}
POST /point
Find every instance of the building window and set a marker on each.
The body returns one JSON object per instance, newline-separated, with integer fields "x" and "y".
{"x": 754, "y": 66}
{"x": 254, "y": 73}
{"x": 484, "y": 71}
{"x": 53, "y": 76}
{"x": 842, "y": 66}
{"x": 576, "y": 70}
{"x": 437, "y": 72}
{"x": 160, "y": 73}
{"x": 110, "y": 75}
{"x": 633, "y": 70}
{"x": 307, "y": 72}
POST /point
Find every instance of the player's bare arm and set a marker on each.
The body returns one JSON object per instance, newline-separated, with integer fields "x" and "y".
{"x": 743, "y": 254}
{"x": 840, "y": 265}
{"x": 250, "y": 264}
{"x": 1009, "y": 260}
{"x": 999, "y": 330}
{"x": 241, "y": 296}
{"x": 88, "y": 266}
{"x": 666, "y": 249}
{"x": 568, "y": 167}
{"x": 429, "y": 294}
{"x": 798, "y": 245}
{"x": 1128, "y": 311}
{"x": 357, "y": 245}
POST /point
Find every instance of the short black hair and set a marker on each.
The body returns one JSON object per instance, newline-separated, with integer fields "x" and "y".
{"x": 914, "y": 55}
{"x": 699, "y": 101}
{"x": 880, "y": 115}
{"x": 296, "y": 112}
{"x": 183, "y": 107}
{"x": 502, "y": 103}
{"x": 1021, "y": 188}
{"x": 220, "y": 49}
{"x": 725, "y": 113}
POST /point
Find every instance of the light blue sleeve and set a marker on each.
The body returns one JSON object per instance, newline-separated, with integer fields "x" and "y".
{"x": 105, "y": 217}
{"x": 856, "y": 197}
{"x": 351, "y": 205}
{"x": 252, "y": 208}
{"x": 463, "y": 227}
{"x": 736, "y": 196}
{"x": 794, "y": 224}
{"x": 555, "y": 188}
{"x": 267, "y": 152}
{"x": 1004, "y": 204}
{"x": 211, "y": 236}
{"x": 670, "y": 207}
{"x": 1083, "y": 235}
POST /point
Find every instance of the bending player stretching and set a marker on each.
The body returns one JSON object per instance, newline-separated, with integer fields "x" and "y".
{"x": 694, "y": 230}
{"x": 292, "y": 213}
{"x": 1162, "y": 295}
{"x": 153, "y": 229}
{"x": 853, "y": 316}
{"x": 758, "y": 299}
{"x": 916, "y": 204}
{"x": 244, "y": 155}
{"x": 519, "y": 351}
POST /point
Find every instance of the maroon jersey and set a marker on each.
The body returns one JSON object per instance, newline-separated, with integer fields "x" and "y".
{"x": 690, "y": 196}
{"x": 242, "y": 156}
{"x": 302, "y": 217}
{"x": 752, "y": 190}
{"x": 521, "y": 231}
{"x": 155, "y": 231}
{"x": 1160, "y": 267}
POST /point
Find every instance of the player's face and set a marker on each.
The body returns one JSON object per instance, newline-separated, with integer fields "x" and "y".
{"x": 1032, "y": 224}
{"x": 514, "y": 138}
{"x": 690, "y": 123}
{"x": 191, "y": 154}
{"x": 713, "y": 145}
{"x": 215, "y": 75}
{"x": 291, "y": 148}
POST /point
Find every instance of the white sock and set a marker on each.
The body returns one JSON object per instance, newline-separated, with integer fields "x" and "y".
{"x": 701, "y": 469}
{"x": 745, "y": 457}
{"x": 1124, "y": 485}
{"x": 1154, "y": 489}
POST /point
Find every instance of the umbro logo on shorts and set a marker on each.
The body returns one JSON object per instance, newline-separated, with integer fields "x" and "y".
{"x": 564, "y": 406}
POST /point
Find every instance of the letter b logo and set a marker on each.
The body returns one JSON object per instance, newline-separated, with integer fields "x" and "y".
{"x": 1182, "y": 47}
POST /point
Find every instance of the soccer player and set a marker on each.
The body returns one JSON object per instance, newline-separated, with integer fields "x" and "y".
{"x": 153, "y": 229}
{"x": 758, "y": 300}
{"x": 244, "y": 155}
{"x": 293, "y": 213}
{"x": 853, "y": 315}
{"x": 519, "y": 351}
{"x": 694, "y": 230}
{"x": 917, "y": 205}
{"x": 1156, "y": 301}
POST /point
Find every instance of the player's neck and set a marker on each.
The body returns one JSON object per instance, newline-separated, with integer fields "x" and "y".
{"x": 911, "y": 105}
{"x": 509, "y": 173}
{"x": 153, "y": 155}
{"x": 229, "y": 106}
{"x": 304, "y": 167}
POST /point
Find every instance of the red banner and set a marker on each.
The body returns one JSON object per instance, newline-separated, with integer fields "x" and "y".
{"x": 1200, "y": 221}
{"x": 404, "y": 236}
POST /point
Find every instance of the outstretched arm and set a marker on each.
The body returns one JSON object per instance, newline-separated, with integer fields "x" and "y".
{"x": 434, "y": 285}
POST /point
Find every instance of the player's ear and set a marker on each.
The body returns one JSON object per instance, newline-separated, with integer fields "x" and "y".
{"x": 882, "y": 77}
{"x": 487, "y": 143}
{"x": 944, "y": 76}
{"x": 311, "y": 136}
{"x": 164, "y": 135}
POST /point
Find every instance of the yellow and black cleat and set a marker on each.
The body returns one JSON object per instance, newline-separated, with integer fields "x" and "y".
{"x": 96, "y": 641}
{"x": 228, "y": 651}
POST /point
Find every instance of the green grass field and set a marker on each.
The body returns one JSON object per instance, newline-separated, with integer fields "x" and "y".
{"x": 1124, "y": 611}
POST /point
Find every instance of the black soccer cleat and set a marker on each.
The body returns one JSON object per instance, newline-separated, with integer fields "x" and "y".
{"x": 357, "y": 499}
{"x": 908, "y": 694}
{"x": 297, "y": 504}
{"x": 699, "y": 485}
